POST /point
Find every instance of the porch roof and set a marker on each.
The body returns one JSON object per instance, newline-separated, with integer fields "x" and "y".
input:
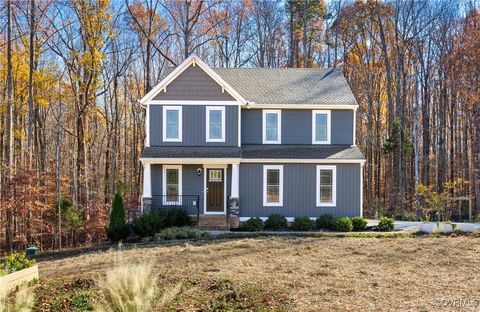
{"x": 333, "y": 152}
{"x": 191, "y": 152}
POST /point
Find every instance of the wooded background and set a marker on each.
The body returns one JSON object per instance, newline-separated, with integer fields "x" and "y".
{"x": 71, "y": 73}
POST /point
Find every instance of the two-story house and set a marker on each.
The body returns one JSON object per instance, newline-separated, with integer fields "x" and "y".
{"x": 252, "y": 142}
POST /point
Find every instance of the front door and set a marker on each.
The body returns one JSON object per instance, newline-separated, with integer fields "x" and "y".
{"x": 215, "y": 190}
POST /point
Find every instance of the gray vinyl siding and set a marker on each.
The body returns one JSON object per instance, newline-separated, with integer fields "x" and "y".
{"x": 194, "y": 126}
{"x": 297, "y": 126}
{"x": 194, "y": 84}
{"x": 299, "y": 191}
{"x": 192, "y": 183}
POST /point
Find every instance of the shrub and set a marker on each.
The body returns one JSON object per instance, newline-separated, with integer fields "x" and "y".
{"x": 182, "y": 233}
{"x": 152, "y": 223}
{"x": 326, "y": 222}
{"x": 276, "y": 222}
{"x": 17, "y": 261}
{"x": 176, "y": 217}
{"x": 130, "y": 287}
{"x": 386, "y": 224}
{"x": 149, "y": 224}
{"x": 303, "y": 224}
{"x": 359, "y": 223}
{"x": 117, "y": 227}
{"x": 253, "y": 224}
{"x": 344, "y": 224}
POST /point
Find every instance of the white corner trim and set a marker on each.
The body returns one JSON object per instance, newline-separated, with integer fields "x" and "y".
{"x": 147, "y": 127}
{"x": 280, "y": 192}
{"x": 164, "y": 183}
{"x": 191, "y": 60}
{"x": 354, "y": 127}
{"x": 334, "y": 186}
{"x": 205, "y": 194}
{"x": 361, "y": 190}
{"x": 279, "y": 126}
{"x": 207, "y": 123}
{"x": 239, "y": 127}
{"x": 164, "y": 123}
{"x": 314, "y": 126}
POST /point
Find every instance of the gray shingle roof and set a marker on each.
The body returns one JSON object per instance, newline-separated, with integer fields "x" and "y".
{"x": 191, "y": 152}
{"x": 288, "y": 85}
{"x": 334, "y": 152}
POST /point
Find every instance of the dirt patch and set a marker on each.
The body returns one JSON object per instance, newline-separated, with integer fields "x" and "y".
{"x": 303, "y": 274}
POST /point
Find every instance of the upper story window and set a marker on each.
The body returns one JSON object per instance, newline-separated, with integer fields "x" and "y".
{"x": 215, "y": 123}
{"x": 321, "y": 127}
{"x": 326, "y": 186}
{"x": 172, "y": 124}
{"x": 272, "y": 127}
{"x": 273, "y": 185}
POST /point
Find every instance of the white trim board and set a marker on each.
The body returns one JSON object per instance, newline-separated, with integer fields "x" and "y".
{"x": 298, "y": 106}
{"x": 191, "y": 102}
{"x": 192, "y": 161}
{"x": 304, "y": 161}
{"x": 193, "y": 60}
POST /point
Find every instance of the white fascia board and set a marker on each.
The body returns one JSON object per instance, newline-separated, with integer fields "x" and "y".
{"x": 299, "y": 106}
{"x": 191, "y": 102}
{"x": 191, "y": 60}
{"x": 305, "y": 161}
{"x": 199, "y": 161}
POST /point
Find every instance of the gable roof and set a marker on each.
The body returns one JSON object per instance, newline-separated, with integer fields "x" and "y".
{"x": 192, "y": 60}
{"x": 290, "y": 85}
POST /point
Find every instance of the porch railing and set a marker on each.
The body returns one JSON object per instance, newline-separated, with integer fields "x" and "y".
{"x": 191, "y": 203}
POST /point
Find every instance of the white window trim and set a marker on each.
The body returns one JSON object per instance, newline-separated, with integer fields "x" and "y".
{"x": 207, "y": 127}
{"x": 164, "y": 184}
{"x": 314, "y": 126}
{"x": 164, "y": 125}
{"x": 265, "y": 169}
{"x": 279, "y": 125}
{"x": 334, "y": 186}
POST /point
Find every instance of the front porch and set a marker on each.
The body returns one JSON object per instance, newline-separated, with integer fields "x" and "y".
{"x": 209, "y": 191}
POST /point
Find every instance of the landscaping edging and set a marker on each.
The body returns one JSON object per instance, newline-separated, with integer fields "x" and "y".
{"x": 11, "y": 280}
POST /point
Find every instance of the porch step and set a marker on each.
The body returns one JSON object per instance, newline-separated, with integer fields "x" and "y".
{"x": 217, "y": 222}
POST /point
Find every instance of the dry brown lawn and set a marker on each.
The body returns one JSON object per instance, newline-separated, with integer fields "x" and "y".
{"x": 301, "y": 274}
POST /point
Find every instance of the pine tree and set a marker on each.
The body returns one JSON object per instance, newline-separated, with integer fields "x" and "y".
{"x": 117, "y": 228}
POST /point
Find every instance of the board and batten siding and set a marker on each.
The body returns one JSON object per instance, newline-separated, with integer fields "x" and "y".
{"x": 192, "y": 183}
{"x": 194, "y": 126}
{"x": 196, "y": 85}
{"x": 297, "y": 126}
{"x": 299, "y": 191}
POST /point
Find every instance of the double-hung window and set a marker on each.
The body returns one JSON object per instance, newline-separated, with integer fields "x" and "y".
{"x": 321, "y": 127}
{"x": 273, "y": 185}
{"x": 172, "y": 184}
{"x": 272, "y": 127}
{"x": 326, "y": 186}
{"x": 215, "y": 123}
{"x": 172, "y": 124}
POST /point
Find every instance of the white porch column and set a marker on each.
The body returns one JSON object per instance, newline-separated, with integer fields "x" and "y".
{"x": 235, "y": 181}
{"x": 147, "y": 188}
{"x": 147, "y": 181}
